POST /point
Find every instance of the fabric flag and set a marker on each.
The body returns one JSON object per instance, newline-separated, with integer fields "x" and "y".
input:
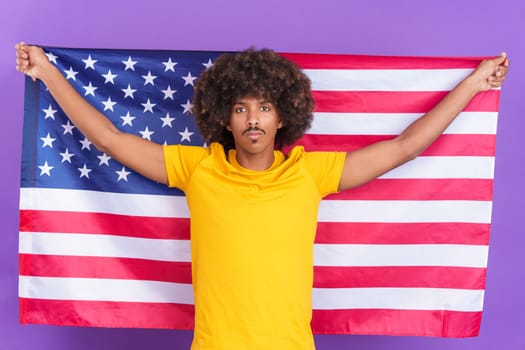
{"x": 403, "y": 255}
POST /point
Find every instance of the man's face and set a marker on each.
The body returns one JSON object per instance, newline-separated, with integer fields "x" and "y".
{"x": 254, "y": 123}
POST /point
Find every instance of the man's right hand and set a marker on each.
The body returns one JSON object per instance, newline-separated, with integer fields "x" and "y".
{"x": 30, "y": 60}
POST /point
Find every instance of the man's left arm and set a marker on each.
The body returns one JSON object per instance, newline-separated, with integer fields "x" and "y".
{"x": 373, "y": 161}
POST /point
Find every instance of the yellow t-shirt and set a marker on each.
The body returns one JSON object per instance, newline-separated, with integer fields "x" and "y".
{"x": 252, "y": 235}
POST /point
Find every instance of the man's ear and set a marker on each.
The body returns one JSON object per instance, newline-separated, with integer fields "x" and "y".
{"x": 280, "y": 125}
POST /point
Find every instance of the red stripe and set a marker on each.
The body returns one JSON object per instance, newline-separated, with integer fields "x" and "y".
{"x": 395, "y": 101}
{"x": 324, "y": 277}
{"x": 327, "y": 232}
{"x": 106, "y": 314}
{"x": 436, "y": 323}
{"x": 104, "y": 267}
{"x": 420, "y": 189}
{"x": 402, "y": 233}
{"x": 399, "y": 276}
{"x": 100, "y": 223}
{"x": 439, "y": 323}
{"x": 334, "y": 61}
{"x": 445, "y": 145}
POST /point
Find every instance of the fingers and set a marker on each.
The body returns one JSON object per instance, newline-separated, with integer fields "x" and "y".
{"x": 500, "y": 70}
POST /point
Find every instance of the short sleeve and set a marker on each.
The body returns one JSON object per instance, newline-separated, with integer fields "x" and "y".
{"x": 180, "y": 163}
{"x": 326, "y": 168}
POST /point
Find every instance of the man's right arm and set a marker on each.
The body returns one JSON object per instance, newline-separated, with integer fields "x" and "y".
{"x": 143, "y": 156}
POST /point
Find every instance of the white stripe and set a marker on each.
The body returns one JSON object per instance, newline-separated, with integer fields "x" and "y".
{"x": 395, "y": 123}
{"x": 386, "y": 79}
{"x": 400, "y": 255}
{"x": 104, "y": 245}
{"x": 329, "y": 210}
{"x": 434, "y": 167}
{"x": 405, "y": 211}
{"x": 398, "y": 298}
{"x": 58, "y": 288}
{"x": 71, "y": 244}
{"x": 103, "y": 202}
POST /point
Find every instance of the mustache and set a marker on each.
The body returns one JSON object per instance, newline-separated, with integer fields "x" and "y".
{"x": 253, "y": 128}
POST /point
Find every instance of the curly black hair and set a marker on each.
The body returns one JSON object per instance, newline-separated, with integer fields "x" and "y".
{"x": 257, "y": 73}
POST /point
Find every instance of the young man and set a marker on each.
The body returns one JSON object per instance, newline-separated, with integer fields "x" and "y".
{"x": 254, "y": 209}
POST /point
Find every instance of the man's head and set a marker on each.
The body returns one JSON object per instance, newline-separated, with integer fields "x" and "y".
{"x": 259, "y": 74}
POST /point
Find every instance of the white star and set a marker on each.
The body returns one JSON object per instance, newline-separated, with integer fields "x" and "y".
{"x": 48, "y": 141}
{"x": 123, "y": 174}
{"x": 104, "y": 159}
{"x": 68, "y": 128}
{"x": 127, "y": 119}
{"x": 130, "y": 64}
{"x": 169, "y": 65}
{"x": 166, "y": 121}
{"x": 208, "y": 64}
{"x": 108, "y": 104}
{"x": 146, "y": 134}
{"x": 168, "y": 93}
{"x": 148, "y": 106}
{"x": 188, "y": 79}
{"x": 84, "y": 171}
{"x": 149, "y": 79}
{"x": 51, "y": 57}
{"x": 50, "y": 112}
{"x": 187, "y": 107}
{"x": 90, "y": 90}
{"x": 128, "y": 92}
{"x": 109, "y": 77}
{"x": 90, "y": 63}
{"x": 71, "y": 74}
{"x": 45, "y": 169}
{"x": 186, "y": 135}
{"x": 66, "y": 156}
{"x": 85, "y": 144}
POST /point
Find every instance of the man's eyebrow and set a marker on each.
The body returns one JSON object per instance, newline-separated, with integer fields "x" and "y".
{"x": 262, "y": 101}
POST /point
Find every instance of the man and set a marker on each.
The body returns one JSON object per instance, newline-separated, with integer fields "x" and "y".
{"x": 253, "y": 209}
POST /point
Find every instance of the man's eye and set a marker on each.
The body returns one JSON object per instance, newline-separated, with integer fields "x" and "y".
{"x": 265, "y": 108}
{"x": 239, "y": 109}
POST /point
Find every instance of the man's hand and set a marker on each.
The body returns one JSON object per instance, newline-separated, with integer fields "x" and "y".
{"x": 490, "y": 73}
{"x": 30, "y": 60}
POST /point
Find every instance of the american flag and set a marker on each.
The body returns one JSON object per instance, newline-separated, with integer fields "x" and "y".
{"x": 405, "y": 254}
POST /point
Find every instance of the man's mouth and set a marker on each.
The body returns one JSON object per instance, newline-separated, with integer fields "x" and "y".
{"x": 253, "y": 133}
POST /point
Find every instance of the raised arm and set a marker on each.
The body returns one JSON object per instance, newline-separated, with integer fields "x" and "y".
{"x": 143, "y": 156}
{"x": 373, "y": 161}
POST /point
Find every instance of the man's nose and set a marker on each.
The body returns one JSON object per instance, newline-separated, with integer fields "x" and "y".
{"x": 252, "y": 119}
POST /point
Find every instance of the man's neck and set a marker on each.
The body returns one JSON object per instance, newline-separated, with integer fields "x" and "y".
{"x": 255, "y": 161}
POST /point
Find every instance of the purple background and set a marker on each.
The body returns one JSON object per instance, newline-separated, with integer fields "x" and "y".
{"x": 383, "y": 27}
